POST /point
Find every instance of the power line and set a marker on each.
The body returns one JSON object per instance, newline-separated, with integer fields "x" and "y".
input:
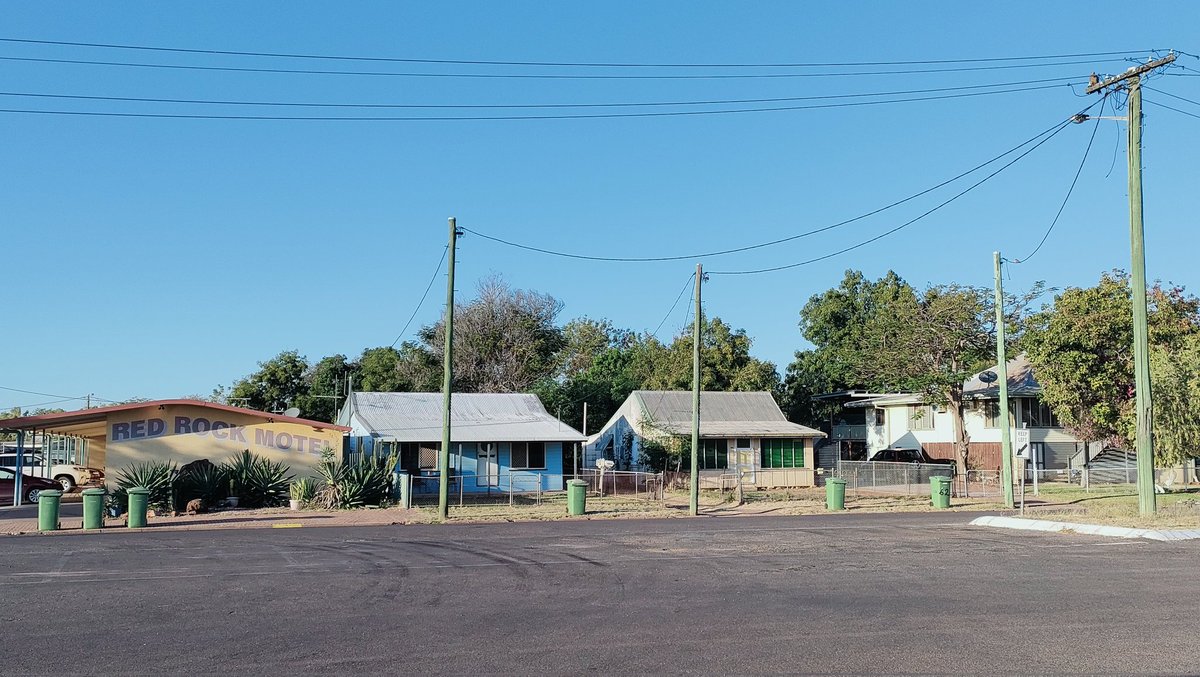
{"x": 340, "y": 57}
{"x": 64, "y": 397}
{"x": 770, "y": 243}
{"x": 581, "y": 116}
{"x": 691, "y": 280}
{"x": 710, "y": 102}
{"x": 1071, "y": 189}
{"x": 40, "y": 404}
{"x": 540, "y": 76}
{"x": 1177, "y": 110}
{"x": 1173, "y": 96}
{"x": 423, "y": 296}
{"x": 1052, "y": 133}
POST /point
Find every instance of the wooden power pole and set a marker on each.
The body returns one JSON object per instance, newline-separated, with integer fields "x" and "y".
{"x": 1006, "y": 450}
{"x": 694, "y": 486}
{"x": 447, "y": 374}
{"x": 1131, "y": 82}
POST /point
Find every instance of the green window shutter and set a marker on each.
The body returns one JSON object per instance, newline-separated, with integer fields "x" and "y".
{"x": 721, "y": 454}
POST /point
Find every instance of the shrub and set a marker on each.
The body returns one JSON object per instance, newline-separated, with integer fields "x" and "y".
{"x": 257, "y": 481}
{"x": 304, "y": 490}
{"x": 157, "y": 476}
{"x": 367, "y": 481}
{"x": 203, "y": 480}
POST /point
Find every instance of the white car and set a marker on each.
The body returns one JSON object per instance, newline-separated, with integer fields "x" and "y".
{"x": 69, "y": 476}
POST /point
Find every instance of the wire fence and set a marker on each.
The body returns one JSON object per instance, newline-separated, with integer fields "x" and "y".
{"x": 905, "y": 479}
{"x": 1109, "y": 476}
{"x": 623, "y": 483}
{"x": 513, "y": 488}
{"x": 518, "y": 488}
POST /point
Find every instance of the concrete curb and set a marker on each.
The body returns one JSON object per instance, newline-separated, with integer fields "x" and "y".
{"x": 1089, "y": 529}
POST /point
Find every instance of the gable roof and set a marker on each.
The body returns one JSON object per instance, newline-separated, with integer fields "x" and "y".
{"x": 722, "y": 414}
{"x": 474, "y": 417}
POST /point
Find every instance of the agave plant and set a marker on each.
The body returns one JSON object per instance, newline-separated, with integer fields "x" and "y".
{"x": 205, "y": 481}
{"x": 367, "y": 481}
{"x": 304, "y": 490}
{"x": 157, "y": 476}
{"x": 257, "y": 481}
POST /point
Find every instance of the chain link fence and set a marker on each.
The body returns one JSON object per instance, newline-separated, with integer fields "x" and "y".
{"x": 905, "y": 479}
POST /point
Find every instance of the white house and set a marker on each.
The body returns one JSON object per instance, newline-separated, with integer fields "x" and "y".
{"x": 905, "y": 421}
{"x": 743, "y": 435}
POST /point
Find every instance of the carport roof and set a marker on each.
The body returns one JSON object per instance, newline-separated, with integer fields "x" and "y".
{"x": 93, "y": 422}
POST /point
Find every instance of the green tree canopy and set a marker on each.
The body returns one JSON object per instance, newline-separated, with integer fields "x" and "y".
{"x": 1081, "y": 348}
{"x": 884, "y": 335}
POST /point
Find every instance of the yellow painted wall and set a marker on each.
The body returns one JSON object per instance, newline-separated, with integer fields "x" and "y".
{"x": 183, "y": 433}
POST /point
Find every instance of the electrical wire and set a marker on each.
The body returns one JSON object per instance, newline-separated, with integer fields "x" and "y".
{"x": 540, "y": 76}
{"x": 1177, "y": 110}
{"x": 581, "y": 116}
{"x": 770, "y": 243}
{"x": 711, "y": 102}
{"x": 691, "y": 281}
{"x": 420, "y": 303}
{"x": 1116, "y": 150}
{"x": 64, "y": 397}
{"x": 23, "y": 407}
{"x": 1055, "y": 131}
{"x": 1071, "y": 189}
{"x": 339, "y": 57}
{"x": 1173, "y": 96}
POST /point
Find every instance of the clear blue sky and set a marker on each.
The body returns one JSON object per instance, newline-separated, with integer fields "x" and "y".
{"x": 162, "y": 257}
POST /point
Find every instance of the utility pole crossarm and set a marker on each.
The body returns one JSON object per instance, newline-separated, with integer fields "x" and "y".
{"x": 1131, "y": 73}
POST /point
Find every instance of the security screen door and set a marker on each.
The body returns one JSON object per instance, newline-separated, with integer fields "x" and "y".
{"x": 487, "y": 468}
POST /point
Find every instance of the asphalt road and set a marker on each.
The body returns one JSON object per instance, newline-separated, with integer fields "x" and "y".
{"x": 893, "y": 593}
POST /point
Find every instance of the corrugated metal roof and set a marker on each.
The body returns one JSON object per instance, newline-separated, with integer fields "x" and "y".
{"x": 722, "y": 414}
{"x": 1021, "y": 383}
{"x": 474, "y": 417}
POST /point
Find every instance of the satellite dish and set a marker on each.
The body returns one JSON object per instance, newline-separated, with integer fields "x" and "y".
{"x": 988, "y": 376}
{"x": 293, "y": 412}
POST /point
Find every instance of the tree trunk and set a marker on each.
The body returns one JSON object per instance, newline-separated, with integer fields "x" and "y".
{"x": 962, "y": 441}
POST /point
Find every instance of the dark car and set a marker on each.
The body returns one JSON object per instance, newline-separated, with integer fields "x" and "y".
{"x": 31, "y": 487}
{"x": 909, "y": 456}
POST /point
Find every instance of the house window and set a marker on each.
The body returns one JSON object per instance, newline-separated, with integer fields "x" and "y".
{"x": 714, "y": 454}
{"x": 782, "y": 453}
{"x": 990, "y": 410}
{"x": 879, "y": 417}
{"x": 529, "y": 455}
{"x": 920, "y": 417}
{"x": 1038, "y": 414}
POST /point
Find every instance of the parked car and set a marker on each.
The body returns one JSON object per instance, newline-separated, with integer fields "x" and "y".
{"x": 68, "y": 476}
{"x": 900, "y": 455}
{"x": 31, "y": 487}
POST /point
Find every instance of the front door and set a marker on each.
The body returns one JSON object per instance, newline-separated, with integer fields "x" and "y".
{"x": 744, "y": 461}
{"x": 487, "y": 465}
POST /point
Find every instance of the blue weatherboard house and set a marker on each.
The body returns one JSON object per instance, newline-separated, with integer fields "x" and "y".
{"x": 499, "y": 441}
